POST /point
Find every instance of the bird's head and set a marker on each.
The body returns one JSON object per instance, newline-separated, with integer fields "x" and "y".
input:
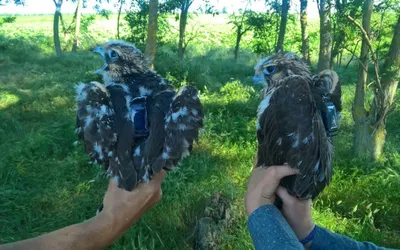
{"x": 121, "y": 59}
{"x": 327, "y": 79}
{"x": 271, "y": 70}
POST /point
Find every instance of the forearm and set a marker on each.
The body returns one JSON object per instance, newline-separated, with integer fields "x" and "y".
{"x": 269, "y": 230}
{"x": 324, "y": 239}
{"x": 95, "y": 233}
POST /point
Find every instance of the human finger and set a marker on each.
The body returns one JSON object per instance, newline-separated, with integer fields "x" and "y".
{"x": 159, "y": 177}
{"x": 285, "y": 196}
{"x": 112, "y": 184}
{"x": 278, "y": 172}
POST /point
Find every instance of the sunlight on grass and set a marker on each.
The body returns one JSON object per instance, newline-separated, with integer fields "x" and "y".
{"x": 7, "y": 99}
{"x": 46, "y": 183}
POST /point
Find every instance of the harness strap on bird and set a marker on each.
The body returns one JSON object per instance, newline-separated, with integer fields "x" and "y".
{"x": 330, "y": 117}
{"x": 139, "y": 117}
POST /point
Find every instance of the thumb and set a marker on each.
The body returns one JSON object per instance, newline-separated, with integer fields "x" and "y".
{"x": 112, "y": 184}
{"x": 284, "y": 195}
{"x": 158, "y": 178}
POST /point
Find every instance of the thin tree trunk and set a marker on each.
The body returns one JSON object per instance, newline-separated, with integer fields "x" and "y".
{"x": 151, "y": 42}
{"x": 383, "y": 101}
{"x": 348, "y": 63}
{"x": 332, "y": 62}
{"x": 325, "y": 34}
{"x": 238, "y": 38}
{"x": 341, "y": 38}
{"x": 121, "y": 2}
{"x": 305, "y": 47}
{"x": 182, "y": 27}
{"x": 282, "y": 27}
{"x": 276, "y": 32}
{"x": 77, "y": 25}
{"x": 360, "y": 114}
{"x": 56, "y": 37}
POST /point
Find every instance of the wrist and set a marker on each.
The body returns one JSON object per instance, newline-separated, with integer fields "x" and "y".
{"x": 87, "y": 231}
{"x": 254, "y": 202}
{"x": 117, "y": 221}
{"x": 109, "y": 227}
{"x": 306, "y": 228}
{"x": 306, "y": 241}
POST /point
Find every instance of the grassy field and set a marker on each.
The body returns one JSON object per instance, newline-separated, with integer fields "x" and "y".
{"x": 46, "y": 183}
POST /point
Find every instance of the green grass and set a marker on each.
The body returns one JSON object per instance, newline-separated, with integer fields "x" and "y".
{"x": 46, "y": 183}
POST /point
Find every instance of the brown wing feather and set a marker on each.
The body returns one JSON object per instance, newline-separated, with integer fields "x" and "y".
{"x": 182, "y": 125}
{"x": 290, "y": 131}
{"x": 327, "y": 83}
{"x": 122, "y": 165}
{"x": 95, "y": 122}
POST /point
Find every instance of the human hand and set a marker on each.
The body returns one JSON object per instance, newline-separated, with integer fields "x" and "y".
{"x": 122, "y": 208}
{"x": 297, "y": 213}
{"x": 263, "y": 184}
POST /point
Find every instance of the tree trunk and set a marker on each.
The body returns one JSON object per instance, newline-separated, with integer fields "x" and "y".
{"x": 360, "y": 114}
{"x": 77, "y": 25}
{"x": 325, "y": 36}
{"x": 238, "y": 38}
{"x": 383, "y": 101}
{"x": 305, "y": 47}
{"x": 341, "y": 38}
{"x": 182, "y": 27}
{"x": 282, "y": 27}
{"x": 56, "y": 37}
{"x": 151, "y": 42}
{"x": 121, "y": 2}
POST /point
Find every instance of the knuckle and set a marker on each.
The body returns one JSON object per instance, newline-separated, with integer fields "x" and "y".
{"x": 272, "y": 171}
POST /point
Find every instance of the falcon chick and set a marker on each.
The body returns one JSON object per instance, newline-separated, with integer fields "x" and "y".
{"x": 296, "y": 119}
{"x": 135, "y": 124}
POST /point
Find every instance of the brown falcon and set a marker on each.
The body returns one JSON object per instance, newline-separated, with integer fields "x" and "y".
{"x": 296, "y": 119}
{"x": 135, "y": 124}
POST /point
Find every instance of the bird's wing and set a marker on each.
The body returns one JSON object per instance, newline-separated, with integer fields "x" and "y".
{"x": 122, "y": 165}
{"x": 182, "y": 125}
{"x": 95, "y": 122}
{"x": 327, "y": 81}
{"x": 290, "y": 130}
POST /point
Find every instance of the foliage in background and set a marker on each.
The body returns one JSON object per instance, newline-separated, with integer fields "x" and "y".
{"x": 137, "y": 21}
{"x": 8, "y": 19}
{"x": 241, "y": 24}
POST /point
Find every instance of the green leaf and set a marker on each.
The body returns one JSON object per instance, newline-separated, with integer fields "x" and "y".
{"x": 355, "y": 208}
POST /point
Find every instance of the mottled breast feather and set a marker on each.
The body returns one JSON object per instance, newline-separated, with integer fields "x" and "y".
{"x": 290, "y": 131}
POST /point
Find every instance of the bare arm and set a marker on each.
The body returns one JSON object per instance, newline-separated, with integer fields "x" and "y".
{"x": 92, "y": 234}
{"x": 121, "y": 210}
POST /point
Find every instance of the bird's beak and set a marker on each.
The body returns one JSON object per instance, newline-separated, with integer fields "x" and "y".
{"x": 258, "y": 78}
{"x": 100, "y": 50}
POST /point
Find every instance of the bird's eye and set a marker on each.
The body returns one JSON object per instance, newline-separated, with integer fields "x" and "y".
{"x": 113, "y": 54}
{"x": 269, "y": 70}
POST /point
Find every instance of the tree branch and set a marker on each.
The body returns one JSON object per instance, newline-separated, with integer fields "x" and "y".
{"x": 358, "y": 58}
{"x": 245, "y": 31}
{"x": 364, "y": 33}
{"x": 373, "y": 54}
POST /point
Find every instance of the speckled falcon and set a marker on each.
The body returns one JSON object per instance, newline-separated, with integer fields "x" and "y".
{"x": 296, "y": 120}
{"x": 135, "y": 123}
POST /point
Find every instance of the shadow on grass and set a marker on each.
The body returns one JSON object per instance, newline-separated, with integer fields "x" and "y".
{"x": 210, "y": 71}
{"x": 46, "y": 182}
